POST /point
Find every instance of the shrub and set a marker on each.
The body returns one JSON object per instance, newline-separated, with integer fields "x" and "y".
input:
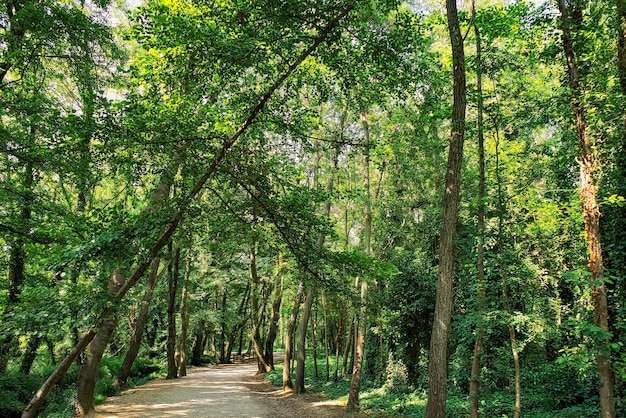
{"x": 397, "y": 376}
{"x": 15, "y": 392}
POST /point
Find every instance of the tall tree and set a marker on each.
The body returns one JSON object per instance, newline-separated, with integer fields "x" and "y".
{"x": 591, "y": 212}
{"x": 438, "y": 360}
{"x": 480, "y": 247}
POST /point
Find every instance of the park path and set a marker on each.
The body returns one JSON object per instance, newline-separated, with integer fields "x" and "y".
{"x": 217, "y": 391}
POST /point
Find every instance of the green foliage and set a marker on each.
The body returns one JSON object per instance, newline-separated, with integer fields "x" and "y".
{"x": 15, "y": 393}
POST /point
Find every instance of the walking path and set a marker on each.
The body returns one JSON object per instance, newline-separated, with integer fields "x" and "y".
{"x": 216, "y": 391}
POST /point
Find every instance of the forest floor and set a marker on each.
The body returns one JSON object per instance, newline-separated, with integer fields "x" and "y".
{"x": 218, "y": 391}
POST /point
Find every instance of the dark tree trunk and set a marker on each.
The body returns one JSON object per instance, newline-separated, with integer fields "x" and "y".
{"x": 181, "y": 350}
{"x": 198, "y": 345}
{"x": 474, "y": 389}
{"x": 274, "y": 317}
{"x": 438, "y": 361}
{"x": 301, "y": 353}
{"x": 16, "y": 267}
{"x": 257, "y": 315}
{"x": 359, "y": 352}
{"x": 86, "y": 382}
{"x": 291, "y": 330}
{"x": 223, "y": 358}
{"x": 140, "y": 323}
{"x": 172, "y": 369}
{"x": 31, "y": 353}
{"x": 591, "y": 212}
{"x": 347, "y": 349}
{"x": 338, "y": 339}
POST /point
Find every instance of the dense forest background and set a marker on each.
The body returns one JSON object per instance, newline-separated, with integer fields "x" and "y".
{"x": 185, "y": 181}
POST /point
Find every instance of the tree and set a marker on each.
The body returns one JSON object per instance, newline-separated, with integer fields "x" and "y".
{"x": 438, "y": 361}
{"x": 588, "y": 193}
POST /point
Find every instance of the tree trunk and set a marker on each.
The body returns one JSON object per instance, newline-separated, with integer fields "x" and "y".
{"x": 338, "y": 339}
{"x": 257, "y": 315}
{"x": 31, "y": 353}
{"x": 172, "y": 284}
{"x": 355, "y": 384}
{"x": 86, "y": 382}
{"x": 326, "y": 333}
{"x": 275, "y": 316}
{"x": 504, "y": 276}
{"x": 301, "y": 353}
{"x": 16, "y": 267}
{"x": 289, "y": 338}
{"x": 438, "y": 361}
{"x": 316, "y": 372}
{"x": 591, "y": 212}
{"x": 140, "y": 324}
{"x": 239, "y": 326}
{"x": 223, "y": 358}
{"x": 474, "y": 389}
{"x": 198, "y": 346}
{"x": 347, "y": 349}
{"x": 181, "y": 350}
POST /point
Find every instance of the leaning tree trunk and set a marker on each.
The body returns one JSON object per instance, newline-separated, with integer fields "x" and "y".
{"x": 172, "y": 369}
{"x": 591, "y": 212}
{"x": 140, "y": 324}
{"x": 438, "y": 361}
{"x": 289, "y": 338}
{"x": 86, "y": 382}
{"x": 474, "y": 389}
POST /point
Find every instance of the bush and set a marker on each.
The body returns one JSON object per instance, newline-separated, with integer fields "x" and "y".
{"x": 15, "y": 392}
{"x": 397, "y": 376}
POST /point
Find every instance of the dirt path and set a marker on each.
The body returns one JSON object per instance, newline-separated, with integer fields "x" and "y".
{"x": 218, "y": 391}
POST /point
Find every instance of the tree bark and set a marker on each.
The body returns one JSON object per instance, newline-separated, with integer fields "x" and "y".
{"x": 140, "y": 324}
{"x": 474, "y": 389}
{"x": 198, "y": 345}
{"x": 591, "y": 212}
{"x": 86, "y": 382}
{"x": 17, "y": 264}
{"x": 438, "y": 361}
{"x": 172, "y": 369}
{"x": 181, "y": 350}
{"x": 289, "y": 338}
{"x": 326, "y": 333}
{"x": 355, "y": 384}
{"x": 30, "y": 354}
{"x": 275, "y": 316}
{"x": 347, "y": 349}
{"x": 301, "y": 353}
{"x": 257, "y": 314}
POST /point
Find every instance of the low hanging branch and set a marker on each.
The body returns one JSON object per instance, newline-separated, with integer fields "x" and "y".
{"x": 32, "y": 407}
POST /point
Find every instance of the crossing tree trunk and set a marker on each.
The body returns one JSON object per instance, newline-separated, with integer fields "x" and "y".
{"x": 140, "y": 324}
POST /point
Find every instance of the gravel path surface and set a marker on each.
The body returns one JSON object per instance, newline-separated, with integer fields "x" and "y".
{"x": 217, "y": 391}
